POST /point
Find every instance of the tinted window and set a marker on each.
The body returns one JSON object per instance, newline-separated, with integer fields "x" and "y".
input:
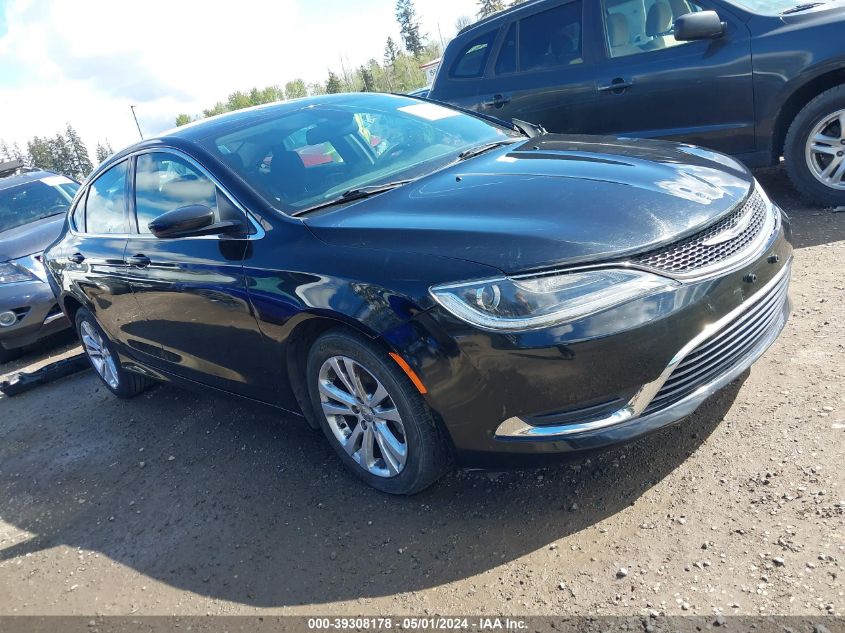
{"x": 551, "y": 38}
{"x": 106, "y": 204}
{"x": 473, "y": 58}
{"x": 506, "y": 62}
{"x": 639, "y": 26}
{"x": 35, "y": 200}
{"x": 373, "y": 139}
{"x": 164, "y": 182}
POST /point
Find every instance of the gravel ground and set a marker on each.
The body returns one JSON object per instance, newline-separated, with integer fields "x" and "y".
{"x": 179, "y": 503}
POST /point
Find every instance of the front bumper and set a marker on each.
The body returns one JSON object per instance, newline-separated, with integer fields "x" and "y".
{"x": 38, "y": 313}
{"x": 606, "y": 379}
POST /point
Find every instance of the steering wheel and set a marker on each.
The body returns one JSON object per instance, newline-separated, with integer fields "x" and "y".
{"x": 401, "y": 148}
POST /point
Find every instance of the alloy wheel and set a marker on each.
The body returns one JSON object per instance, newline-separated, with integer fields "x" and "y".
{"x": 98, "y": 352}
{"x": 825, "y": 151}
{"x": 363, "y": 416}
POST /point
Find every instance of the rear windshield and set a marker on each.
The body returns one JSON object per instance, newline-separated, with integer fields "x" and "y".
{"x": 302, "y": 158}
{"x": 36, "y": 200}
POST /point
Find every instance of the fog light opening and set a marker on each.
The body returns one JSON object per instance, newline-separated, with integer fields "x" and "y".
{"x": 8, "y": 318}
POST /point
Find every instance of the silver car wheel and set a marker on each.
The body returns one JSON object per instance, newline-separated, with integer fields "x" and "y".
{"x": 825, "y": 151}
{"x": 98, "y": 352}
{"x": 363, "y": 416}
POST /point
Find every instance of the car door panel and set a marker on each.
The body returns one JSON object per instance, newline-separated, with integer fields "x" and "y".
{"x": 700, "y": 92}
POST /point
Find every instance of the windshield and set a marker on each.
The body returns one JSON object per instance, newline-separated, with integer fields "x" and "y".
{"x": 31, "y": 201}
{"x": 769, "y": 7}
{"x": 304, "y": 158}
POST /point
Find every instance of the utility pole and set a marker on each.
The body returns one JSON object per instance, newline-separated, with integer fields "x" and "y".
{"x": 138, "y": 125}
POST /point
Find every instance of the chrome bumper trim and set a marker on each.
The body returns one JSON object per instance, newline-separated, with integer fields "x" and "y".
{"x": 517, "y": 428}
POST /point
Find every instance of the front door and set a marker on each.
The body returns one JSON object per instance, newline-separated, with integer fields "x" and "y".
{"x": 191, "y": 291}
{"x": 653, "y": 86}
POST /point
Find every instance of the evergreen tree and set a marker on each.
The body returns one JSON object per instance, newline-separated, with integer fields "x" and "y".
{"x": 409, "y": 27}
{"x": 489, "y": 7}
{"x": 102, "y": 152}
{"x": 333, "y": 84}
{"x": 391, "y": 52}
{"x": 367, "y": 79}
{"x": 5, "y": 152}
{"x": 182, "y": 119}
{"x": 17, "y": 154}
{"x": 462, "y": 22}
{"x": 80, "y": 159}
{"x": 40, "y": 154}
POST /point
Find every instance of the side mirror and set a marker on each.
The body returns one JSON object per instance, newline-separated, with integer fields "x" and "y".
{"x": 704, "y": 25}
{"x": 190, "y": 221}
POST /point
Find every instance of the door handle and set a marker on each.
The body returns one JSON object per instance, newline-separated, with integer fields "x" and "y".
{"x": 138, "y": 261}
{"x": 498, "y": 101}
{"x": 76, "y": 258}
{"x": 617, "y": 86}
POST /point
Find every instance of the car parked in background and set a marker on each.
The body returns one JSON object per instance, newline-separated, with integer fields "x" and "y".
{"x": 33, "y": 206}
{"x": 456, "y": 291}
{"x": 758, "y": 79}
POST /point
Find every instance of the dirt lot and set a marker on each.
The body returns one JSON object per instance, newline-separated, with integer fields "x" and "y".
{"x": 177, "y": 503}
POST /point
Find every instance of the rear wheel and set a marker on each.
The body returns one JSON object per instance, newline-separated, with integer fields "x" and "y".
{"x": 104, "y": 359}
{"x": 815, "y": 148}
{"x": 373, "y": 417}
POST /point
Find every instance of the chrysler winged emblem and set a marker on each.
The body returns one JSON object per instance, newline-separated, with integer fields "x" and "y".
{"x": 728, "y": 234}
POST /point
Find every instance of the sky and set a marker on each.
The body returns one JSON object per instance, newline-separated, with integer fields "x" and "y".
{"x": 85, "y": 62}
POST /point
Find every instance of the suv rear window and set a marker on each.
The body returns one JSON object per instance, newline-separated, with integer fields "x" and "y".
{"x": 472, "y": 59}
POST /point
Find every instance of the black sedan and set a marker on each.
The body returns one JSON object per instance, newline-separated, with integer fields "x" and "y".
{"x": 425, "y": 285}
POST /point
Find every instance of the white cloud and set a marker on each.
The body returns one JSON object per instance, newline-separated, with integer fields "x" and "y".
{"x": 86, "y": 62}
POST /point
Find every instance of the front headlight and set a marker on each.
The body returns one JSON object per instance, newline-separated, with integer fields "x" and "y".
{"x": 512, "y": 304}
{"x": 11, "y": 273}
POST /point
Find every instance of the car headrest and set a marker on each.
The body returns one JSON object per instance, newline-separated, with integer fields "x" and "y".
{"x": 659, "y": 19}
{"x": 562, "y": 44}
{"x": 619, "y": 29}
{"x": 285, "y": 161}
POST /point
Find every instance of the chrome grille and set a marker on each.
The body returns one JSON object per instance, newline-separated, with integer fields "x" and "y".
{"x": 692, "y": 254}
{"x": 722, "y": 351}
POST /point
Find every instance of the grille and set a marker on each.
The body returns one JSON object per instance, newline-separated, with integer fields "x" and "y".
{"x": 692, "y": 254}
{"x": 722, "y": 351}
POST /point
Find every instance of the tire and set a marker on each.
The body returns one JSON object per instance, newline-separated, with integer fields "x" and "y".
{"x": 427, "y": 455}
{"x": 798, "y": 165}
{"x": 122, "y": 383}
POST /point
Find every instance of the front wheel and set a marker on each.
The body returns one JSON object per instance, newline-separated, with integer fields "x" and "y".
{"x": 104, "y": 359}
{"x": 814, "y": 150}
{"x": 373, "y": 416}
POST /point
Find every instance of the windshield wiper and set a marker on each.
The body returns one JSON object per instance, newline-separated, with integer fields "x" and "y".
{"x": 802, "y": 7}
{"x": 355, "y": 194}
{"x": 476, "y": 151}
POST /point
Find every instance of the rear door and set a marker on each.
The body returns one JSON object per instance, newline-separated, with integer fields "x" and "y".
{"x": 654, "y": 86}
{"x": 198, "y": 322}
{"x": 93, "y": 251}
{"x": 544, "y": 69}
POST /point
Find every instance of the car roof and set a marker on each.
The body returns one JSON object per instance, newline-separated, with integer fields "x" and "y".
{"x": 20, "y": 179}
{"x": 499, "y": 16}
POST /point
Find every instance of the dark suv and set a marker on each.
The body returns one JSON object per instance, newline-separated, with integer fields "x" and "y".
{"x": 758, "y": 79}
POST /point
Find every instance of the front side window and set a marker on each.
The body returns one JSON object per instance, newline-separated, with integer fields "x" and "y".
{"x": 371, "y": 140}
{"x": 472, "y": 59}
{"x": 635, "y": 26}
{"x": 164, "y": 182}
{"x": 35, "y": 200}
{"x": 105, "y": 208}
{"x": 552, "y": 38}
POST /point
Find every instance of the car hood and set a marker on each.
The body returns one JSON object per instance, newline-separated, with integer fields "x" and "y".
{"x": 30, "y": 238}
{"x": 547, "y": 201}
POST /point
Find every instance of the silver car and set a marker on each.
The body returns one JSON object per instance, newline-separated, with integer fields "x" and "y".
{"x": 33, "y": 205}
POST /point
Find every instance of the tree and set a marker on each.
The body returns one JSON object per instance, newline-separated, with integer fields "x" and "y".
{"x": 462, "y": 22}
{"x": 316, "y": 89}
{"x": 333, "y": 84}
{"x": 103, "y": 151}
{"x": 80, "y": 159}
{"x": 40, "y": 154}
{"x": 391, "y": 52}
{"x": 367, "y": 79}
{"x": 409, "y": 27}
{"x": 489, "y": 7}
{"x": 296, "y": 89}
{"x": 182, "y": 119}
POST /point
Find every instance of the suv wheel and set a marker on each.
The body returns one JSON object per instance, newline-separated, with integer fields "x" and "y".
{"x": 373, "y": 417}
{"x": 104, "y": 359}
{"x": 815, "y": 148}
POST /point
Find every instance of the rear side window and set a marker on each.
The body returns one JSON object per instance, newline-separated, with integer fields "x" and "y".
{"x": 164, "y": 182}
{"x": 551, "y": 38}
{"x": 506, "y": 62}
{"x": 105, "y": 207}
{"x": 472, "y": 59}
